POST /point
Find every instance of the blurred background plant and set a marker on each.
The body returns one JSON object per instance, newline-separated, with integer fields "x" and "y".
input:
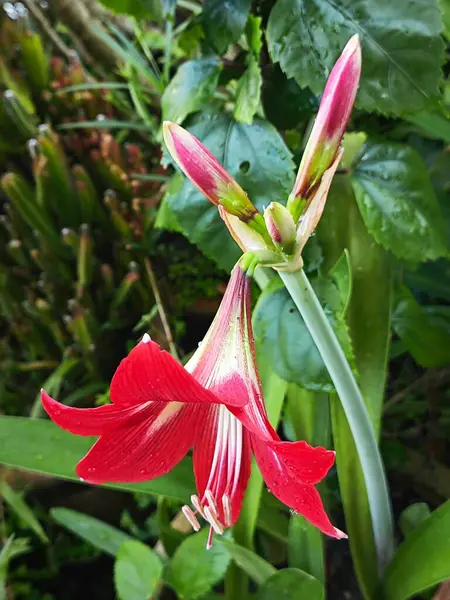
{"x": 100, "y": 243}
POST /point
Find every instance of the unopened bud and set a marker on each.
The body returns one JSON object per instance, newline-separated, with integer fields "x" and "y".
{"x": 329, "y": 127}
{"x": 206, "y": 173}
{"x": 280, "y": 225}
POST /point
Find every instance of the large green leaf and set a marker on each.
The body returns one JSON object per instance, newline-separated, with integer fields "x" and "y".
{"x": 101, "y": 535}
{"x": 285, "y": 339}
{"x": 402, "y": 47}
{"x": 40, "y": 446}
{"x": 285, "y": 103}
{"x": 193, "y": 86}
{"x": 425, "y": 331}
{"x": 194, "y": 570}
{"x": 224, "y": 22}
{"x": 398, "y": 203}
{"x": 137, "y": 571}
{"x": 256, "y": 156}
{"x": 422, "y": 560}
{"x": 291, "y": 584}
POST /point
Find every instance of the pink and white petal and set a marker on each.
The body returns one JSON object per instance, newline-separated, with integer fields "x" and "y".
{"x": 144, "y": 450}
{"x": 151, "y": 374}
{"x": 222, "y": 463}
{"x": 285, "y": 485}
{"x": 86, "y": 421}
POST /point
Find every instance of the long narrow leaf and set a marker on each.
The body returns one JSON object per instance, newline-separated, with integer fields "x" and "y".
{"x": 40, "y": 446}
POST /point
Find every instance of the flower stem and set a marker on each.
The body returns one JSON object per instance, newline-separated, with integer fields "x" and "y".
{"x": 354, "y": 407}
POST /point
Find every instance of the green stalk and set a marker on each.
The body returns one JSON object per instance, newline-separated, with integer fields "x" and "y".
{"x": 355, "y": 410}
{"x": 168, "y": 49}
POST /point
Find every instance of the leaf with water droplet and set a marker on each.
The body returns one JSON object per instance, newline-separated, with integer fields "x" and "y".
{"x": 398, "y": 203}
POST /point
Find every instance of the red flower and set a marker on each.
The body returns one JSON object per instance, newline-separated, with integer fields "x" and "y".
{"x": 160, "y": 410}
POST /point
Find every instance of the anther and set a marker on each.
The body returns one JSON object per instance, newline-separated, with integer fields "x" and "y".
{"x": 187, "y": 512}
{"x": 211, "y": 502}
{"x": 212, "y": 519}
{"x": 226, "y": 510}
{"x": 196, "y": 504}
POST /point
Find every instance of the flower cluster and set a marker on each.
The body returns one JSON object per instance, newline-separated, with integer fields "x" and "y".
{"x": 277, "y": 238}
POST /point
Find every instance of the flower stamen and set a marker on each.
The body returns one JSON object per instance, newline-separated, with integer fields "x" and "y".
{"x": 210, "y": 539}
{"x": 213, "y": 520}
{"x": 198, "y": 507}
{"x": 226, "y": 510}
{"x": 211, "y": 501}
{"x": 190, "y": 516}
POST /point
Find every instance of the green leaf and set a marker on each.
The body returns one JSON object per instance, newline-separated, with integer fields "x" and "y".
{"x": 224, "y": 22}
{"x": 308, "y": 414}
{"x": 137, "y": 571}
{"x": 445, "y": 8}
{"x": 248, "y": 93}
{"x": 136, "y": 8}
{"x": 285, "y": 103}
{"x": 291, "y": 584}
{"x": 16, "y": 502}
{"x": 285, "y": 339}
{"x": 194, "y": 570}
{"x": 398, "y": 203}
{"x": 253, "y": 33}
{"x": 101, "y": 535}
{"x": 11, "y": 549}
{"x": 433, "y": 125}
{"x": 256, "y": 567}
{"x": 256, "y": 156}
{"x": 422, "y": 560}
{"x": 401, "y": 45}
{"x": 193, "y": 86}
{"x": 425, "y": 332}
{"x": 413, "y": 516}
{"x": 306, "y": 547}
{"x": 41, "y": 447}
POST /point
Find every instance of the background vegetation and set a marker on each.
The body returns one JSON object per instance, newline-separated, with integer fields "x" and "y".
{"x": 101, "y": 241}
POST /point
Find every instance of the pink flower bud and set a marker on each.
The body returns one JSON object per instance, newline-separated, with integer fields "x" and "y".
{"x": 206, "y": 173}
{"x": 329, "y": 127}
{"x": 280, "y": 225}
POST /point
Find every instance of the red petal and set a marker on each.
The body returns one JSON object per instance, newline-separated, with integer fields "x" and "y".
{"x": 151, "y": 374}
{"x": 302, "y": 461}
{"x": 283, "y": 478}
{"x": 140, "y": 451}
{"x": 222, "y": 461}
{"x": 86, "y": 421}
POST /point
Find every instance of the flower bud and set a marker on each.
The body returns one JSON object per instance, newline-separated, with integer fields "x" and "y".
{"x": 329, "y": 127}
{"x": 206, "y": 173}
{"x": 247, "y": 238}
{"x": 280, "y": 225}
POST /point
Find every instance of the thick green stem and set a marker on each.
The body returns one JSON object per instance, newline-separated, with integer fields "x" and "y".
{"x": 352, "y": 402}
